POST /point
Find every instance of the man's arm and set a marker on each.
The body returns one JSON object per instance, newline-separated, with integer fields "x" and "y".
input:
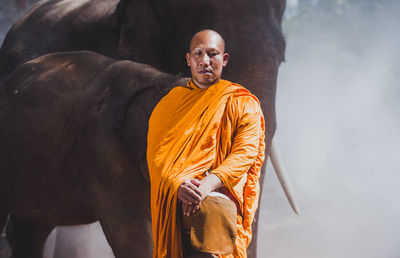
{"x": 244, "y": 151}
{"x": 245, "y": 146}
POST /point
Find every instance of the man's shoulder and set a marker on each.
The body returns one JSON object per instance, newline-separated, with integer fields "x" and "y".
{"x": 243, "y": 103}
{"x": 246, "y": 104}
{"x": 240, "y": 89}
{"x": 243, "y": 96}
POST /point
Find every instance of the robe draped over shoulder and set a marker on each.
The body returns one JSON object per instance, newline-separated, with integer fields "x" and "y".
{"x": 193, "y": 130}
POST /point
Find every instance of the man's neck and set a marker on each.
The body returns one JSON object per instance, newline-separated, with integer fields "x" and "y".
{"x": 204, "y": 86}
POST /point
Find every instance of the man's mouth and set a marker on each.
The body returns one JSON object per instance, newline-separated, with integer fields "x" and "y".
{"x": 205, "y": 71}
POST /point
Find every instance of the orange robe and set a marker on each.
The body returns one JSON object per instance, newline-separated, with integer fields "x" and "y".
{"x": 192, "y": 130}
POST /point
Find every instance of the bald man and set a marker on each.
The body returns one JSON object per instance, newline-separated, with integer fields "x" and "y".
{"x": 203, "y": 137}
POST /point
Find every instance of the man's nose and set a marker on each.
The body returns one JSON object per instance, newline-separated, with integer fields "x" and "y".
{"x": 205, "y": 59}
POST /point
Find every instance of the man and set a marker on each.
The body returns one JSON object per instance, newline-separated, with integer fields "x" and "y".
{"x": 208, "y": 125}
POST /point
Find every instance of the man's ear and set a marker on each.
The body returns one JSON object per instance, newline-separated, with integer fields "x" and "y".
{"x": 188, "y": 59}
{"x": 225, "y": 59}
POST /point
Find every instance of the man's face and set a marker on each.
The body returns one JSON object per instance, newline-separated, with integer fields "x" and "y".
{"x": 206, "y": 58}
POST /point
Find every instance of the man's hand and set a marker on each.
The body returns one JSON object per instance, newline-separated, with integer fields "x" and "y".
{"x": 189, "y": 193}
{"x": 189, "y": 209}
{"x": 192, "y": 192}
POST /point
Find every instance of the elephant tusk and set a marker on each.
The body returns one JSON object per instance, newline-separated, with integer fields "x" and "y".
{"x": 283, "y": 176}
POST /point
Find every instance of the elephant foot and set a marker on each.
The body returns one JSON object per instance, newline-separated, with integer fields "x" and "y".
{"x": 28, "y": 238}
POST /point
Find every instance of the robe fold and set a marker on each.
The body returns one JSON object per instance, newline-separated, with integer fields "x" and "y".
{"x": 191, "y": 131}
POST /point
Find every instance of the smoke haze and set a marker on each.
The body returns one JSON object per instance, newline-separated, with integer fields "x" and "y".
{"x": 338, "y": 113}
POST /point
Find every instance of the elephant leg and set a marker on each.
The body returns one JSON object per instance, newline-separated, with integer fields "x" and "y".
{"x": 28, "y": 238}
{"x": 126, "y": 222}
{"x": 129, "y": 235}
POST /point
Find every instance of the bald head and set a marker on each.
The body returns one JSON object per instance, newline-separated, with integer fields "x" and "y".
{"x": 207, "y": 35}
{"x": 206, "y": 58}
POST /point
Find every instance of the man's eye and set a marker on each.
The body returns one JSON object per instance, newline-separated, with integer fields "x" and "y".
{"x": 212, "y": 54}
{"x": 197, "y": 53}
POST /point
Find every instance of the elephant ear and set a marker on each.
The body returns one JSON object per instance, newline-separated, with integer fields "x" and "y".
{"x": 135, "y": 123}
{"x": 132, "y": 90}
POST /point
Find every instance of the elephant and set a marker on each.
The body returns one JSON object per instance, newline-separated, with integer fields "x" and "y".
{"x": 156, "y": 33}
{"x": 71, "y": 150}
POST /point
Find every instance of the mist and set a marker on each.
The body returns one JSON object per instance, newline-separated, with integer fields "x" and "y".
{"x": 338, "y": 114}
{"x": 10, "y": 11}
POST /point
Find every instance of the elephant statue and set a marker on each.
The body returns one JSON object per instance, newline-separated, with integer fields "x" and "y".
{"x": 106, "y": 124}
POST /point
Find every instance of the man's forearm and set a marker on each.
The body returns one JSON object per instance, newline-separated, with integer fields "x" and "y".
{"x": 209, "y": 184}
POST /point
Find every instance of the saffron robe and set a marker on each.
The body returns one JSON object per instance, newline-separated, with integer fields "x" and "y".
{"x": 192, "y": 130}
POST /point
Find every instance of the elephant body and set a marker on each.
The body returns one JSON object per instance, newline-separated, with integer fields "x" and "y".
{"x": 72, "y": 147}
{"x": 77, "y": 121}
